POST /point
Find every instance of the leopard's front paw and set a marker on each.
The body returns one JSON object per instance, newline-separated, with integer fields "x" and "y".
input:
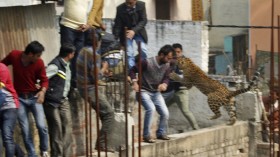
{"x": 231, "y": 121}
{"x": 174, "y": 76}
{"x": 215, "y": 116}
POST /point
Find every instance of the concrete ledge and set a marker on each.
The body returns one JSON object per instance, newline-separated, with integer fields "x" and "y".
{"x": 215, "y": 141}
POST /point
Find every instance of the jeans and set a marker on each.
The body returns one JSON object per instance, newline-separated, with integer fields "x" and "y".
{"x": 152, "y": 101}
{"x": 8, "y": 119}
{"x": 60, "y": 128}
{"x": 77, "y": 39}
{"x": 130, "y": 50}
{"x": 27, "y": 105}
{"x": 106, "y": 114}
{"x": 181, "y": 98}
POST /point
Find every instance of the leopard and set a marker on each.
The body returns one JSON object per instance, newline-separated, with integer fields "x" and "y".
{"x": 217, "y": 93}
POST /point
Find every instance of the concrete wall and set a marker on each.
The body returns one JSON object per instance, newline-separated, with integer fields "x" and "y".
{"x": 5, "y": 3}
{"x": 225, "y": 13}
{"x": 192, "y": 35}
{"x": 200, "y": 109}
{"x": 217, "y": 141}
{"x": 109, "y": 10}
{"x": 179, "y": 9}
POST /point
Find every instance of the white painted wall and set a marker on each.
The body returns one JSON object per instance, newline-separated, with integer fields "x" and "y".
{"x": 192, "y": 35}
{"x": 110, "y": 8}
{"x": 9, "y": 3}
{"x": 181, "y": 10}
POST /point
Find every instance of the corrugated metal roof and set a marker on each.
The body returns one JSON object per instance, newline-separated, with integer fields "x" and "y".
{"x": 21, "y": 25}
{"x": 11, "y": 3}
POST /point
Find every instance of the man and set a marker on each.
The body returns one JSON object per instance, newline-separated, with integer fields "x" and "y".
{"x": 132, "y": 15}
{"x": 28, "y": 67}
{"x": 105, "y": 110}
{"x": 155, "y": 79}
{"x": 75, "y": 22}
{"x": 176, "y": 93}
{"x": 9, "y": 105}
{"x": 56, "y": 105}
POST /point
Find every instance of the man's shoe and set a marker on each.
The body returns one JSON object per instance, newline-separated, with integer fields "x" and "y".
{"x": 101, "y": 83}
{"x": 149, "y": 140}
{"x": 163, "y": 137}
{"x": 108, "y": 149}
{"x": 44, "y": 154}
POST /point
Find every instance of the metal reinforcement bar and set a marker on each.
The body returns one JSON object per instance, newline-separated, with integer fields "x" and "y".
{"x": 125, "y": 93}
{"x": 86, "y": 103}
{"x": 96, "y": 92}
{"x": 139, "y": 98}
{"x": 132, "y": 128}
{"x": 271, "y": 143}
{"x": 278, "y": 89}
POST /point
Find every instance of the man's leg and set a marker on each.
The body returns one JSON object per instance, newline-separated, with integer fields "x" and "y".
{"x": 9, "y": 117}
{"x": 168, "y": 98}
{"x": 143, "y": 45}
{"x": 79, "y": 44}
{"x": 55, "y": 129}
{"x": 24, "y": 125}
{"x": 76, "y": 38}
{"x": 39, "y": 116}
{"x": 107, "y": 118}
{"x": 163, "y": 112}
{"x": 130, "y": 53}
{"x": 181, "y": 98}
{"x": 150, "y": 108}
{"x": 66, "y": 124}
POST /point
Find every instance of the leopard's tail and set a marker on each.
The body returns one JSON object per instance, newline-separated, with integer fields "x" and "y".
{"x": 252, "y": 83}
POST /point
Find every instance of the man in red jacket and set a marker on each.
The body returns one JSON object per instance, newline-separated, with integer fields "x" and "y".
{"x": 28, "y": 67}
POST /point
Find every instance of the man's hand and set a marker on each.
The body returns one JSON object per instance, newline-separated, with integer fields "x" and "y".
{"x": 130, "y": 34}
{"x": 41, "y": 96}
{"x": 103, "y": 27}
{"x": 84, "y": 27}
{"x": 162, "y": 87}
{"x": 135, "y": 86}
{"x": 105, "y": 69}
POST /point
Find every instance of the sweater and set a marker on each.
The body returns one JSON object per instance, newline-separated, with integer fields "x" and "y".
{"x": 75, "y": 13}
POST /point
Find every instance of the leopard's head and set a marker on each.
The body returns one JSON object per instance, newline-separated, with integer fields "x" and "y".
{"x": 181, "y": 62}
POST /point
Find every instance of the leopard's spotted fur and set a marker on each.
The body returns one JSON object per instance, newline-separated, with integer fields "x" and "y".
{"x": 218, "y": 94}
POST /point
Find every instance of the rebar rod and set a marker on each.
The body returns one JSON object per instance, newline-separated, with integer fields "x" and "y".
{"x": 272, "y": 78}
{"x": 86, "y": 102}
{"x": 139, "y": 98}
{"x": 94, "y": 42}
{"x": 278, "y": 89}
{"x": 126, "y": 95}
{"x": 132, "y": 141}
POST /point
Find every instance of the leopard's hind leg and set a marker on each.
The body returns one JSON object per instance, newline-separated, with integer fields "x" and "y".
{"x": 231, "y": 111}
{"x": 215, "y": 108}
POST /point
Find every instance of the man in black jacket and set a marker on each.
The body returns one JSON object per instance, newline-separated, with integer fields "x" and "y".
{"x": 56, "y": 105}
{"x": 131, "y": 15}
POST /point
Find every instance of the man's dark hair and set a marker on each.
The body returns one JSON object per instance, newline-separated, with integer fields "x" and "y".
{"x": 165, "y": 50}
{"x": 34, "y": 47}
{"x": 66, "y": 49}
{"x": 177, "y": 45}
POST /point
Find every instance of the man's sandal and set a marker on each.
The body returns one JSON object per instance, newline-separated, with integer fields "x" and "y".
{"x": 163, "y": 137}
{"x": 149, "y": 140}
